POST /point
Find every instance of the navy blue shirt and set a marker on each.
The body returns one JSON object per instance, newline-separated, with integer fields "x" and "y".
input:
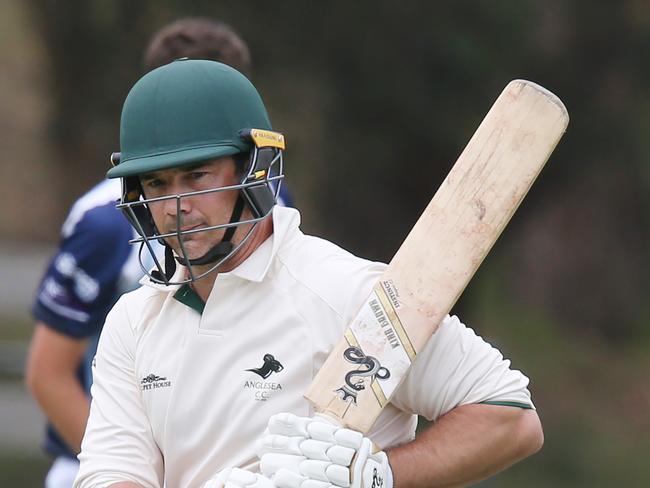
{"x": 92, "y": 267}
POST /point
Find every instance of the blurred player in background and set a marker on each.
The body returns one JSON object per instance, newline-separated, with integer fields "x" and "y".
{"x": 94, "y": 265}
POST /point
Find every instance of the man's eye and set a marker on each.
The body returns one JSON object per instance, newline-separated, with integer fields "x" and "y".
{"x": 154, "y": 183}
{"x": 197, "y": 175}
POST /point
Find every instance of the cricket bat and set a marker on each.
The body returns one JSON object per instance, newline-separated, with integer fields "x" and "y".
{"x": 440, "y": 255}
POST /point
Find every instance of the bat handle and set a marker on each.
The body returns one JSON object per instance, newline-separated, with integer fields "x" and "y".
{"x": 332, "y": 419}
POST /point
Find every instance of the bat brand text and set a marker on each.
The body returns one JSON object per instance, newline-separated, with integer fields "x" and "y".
{"x": 380, "y": 315}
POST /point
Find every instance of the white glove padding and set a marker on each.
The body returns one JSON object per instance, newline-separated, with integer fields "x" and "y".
{"x": 302, "y": 452}
{"x": 238, "y": 478}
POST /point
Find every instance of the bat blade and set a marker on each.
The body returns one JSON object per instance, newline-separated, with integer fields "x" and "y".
{"x": 440, "y": 255}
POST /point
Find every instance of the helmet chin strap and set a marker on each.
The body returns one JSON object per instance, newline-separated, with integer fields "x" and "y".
{"x": 217, "y": 252}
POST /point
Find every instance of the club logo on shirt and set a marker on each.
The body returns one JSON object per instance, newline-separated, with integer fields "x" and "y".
{"x": 270, "y": 366}
{"x": 152, "y": 382}
{"x": 264, "y": 389}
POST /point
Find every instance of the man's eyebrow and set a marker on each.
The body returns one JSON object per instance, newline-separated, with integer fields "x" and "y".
{"x": 185, "y": 169}
{"x": 193, "y": 167}
{"x": 148, "y": 176}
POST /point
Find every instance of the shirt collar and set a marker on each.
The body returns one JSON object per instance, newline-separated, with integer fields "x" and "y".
{"x": 256, "y": 266}
{"x": 179, "y": 274}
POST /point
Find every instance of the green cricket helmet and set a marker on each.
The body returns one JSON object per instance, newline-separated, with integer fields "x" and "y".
{"x": 187, "y": 112}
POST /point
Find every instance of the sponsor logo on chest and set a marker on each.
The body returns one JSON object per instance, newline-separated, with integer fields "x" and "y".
{"x": 154, "y": 382}
{"x": 262, "y": 390}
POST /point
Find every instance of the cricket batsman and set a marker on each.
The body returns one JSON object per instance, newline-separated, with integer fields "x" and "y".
{"x": 199, "y": 375}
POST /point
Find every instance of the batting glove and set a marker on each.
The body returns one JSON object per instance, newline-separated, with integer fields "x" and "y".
{"x": 302, "y": 452}
{"x": 238, "y": 478}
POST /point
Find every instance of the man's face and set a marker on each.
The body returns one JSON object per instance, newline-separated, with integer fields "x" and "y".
{"x": 197, "y": 211}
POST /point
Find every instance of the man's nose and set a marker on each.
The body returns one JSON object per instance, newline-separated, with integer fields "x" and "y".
{"x": 178, "y": 204}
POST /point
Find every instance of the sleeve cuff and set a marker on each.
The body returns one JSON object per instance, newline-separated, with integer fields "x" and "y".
{"x": 526, "y": 406}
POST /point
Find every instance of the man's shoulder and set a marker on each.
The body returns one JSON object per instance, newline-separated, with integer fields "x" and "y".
{"x": 140, "y": 306}
{"x": 328, "y": 271}
{"x": 96, "y": 209}
{"x": 310, "y": 256}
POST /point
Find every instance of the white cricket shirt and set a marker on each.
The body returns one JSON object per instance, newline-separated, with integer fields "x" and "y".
{"x": 179, "y": 395}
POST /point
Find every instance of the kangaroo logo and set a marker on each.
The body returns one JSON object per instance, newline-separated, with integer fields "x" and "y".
{"x": 373, "y": 369}
{"x": 271, "y": 365}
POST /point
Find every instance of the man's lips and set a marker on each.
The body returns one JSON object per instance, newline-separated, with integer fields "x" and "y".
{"x": 185, "y": 228}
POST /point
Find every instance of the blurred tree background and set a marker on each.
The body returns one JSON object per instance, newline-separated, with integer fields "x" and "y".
{"x": 377, "y": 99}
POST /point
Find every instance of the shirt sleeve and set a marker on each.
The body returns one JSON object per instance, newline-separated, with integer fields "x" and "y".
{"x": 118, "y": 444}
{"x": 81, "y": 282}
{"x": 457, "y": 367}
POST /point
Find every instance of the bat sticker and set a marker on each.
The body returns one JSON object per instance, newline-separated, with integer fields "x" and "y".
{"x": 373, "y": 370}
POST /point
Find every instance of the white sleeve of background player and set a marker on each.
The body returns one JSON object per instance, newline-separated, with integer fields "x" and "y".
{"x": 457, "y": 367}
{"x": 118, "y": 444}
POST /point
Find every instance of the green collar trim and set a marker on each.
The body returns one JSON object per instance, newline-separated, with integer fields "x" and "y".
{"x": 525, "y": 406}
{"x": 187, "y": 296}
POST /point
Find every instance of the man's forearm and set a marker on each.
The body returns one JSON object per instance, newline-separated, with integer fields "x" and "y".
{"x": 468, "y": 444}
{"x": 66, "y": 406}
{"x": 51, "y": 376}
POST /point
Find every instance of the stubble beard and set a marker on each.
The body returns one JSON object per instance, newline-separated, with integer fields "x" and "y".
{"x": 196, "y": 245}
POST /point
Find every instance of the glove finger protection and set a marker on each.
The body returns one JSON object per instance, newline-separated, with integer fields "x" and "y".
{"x": 302, "y": 452}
